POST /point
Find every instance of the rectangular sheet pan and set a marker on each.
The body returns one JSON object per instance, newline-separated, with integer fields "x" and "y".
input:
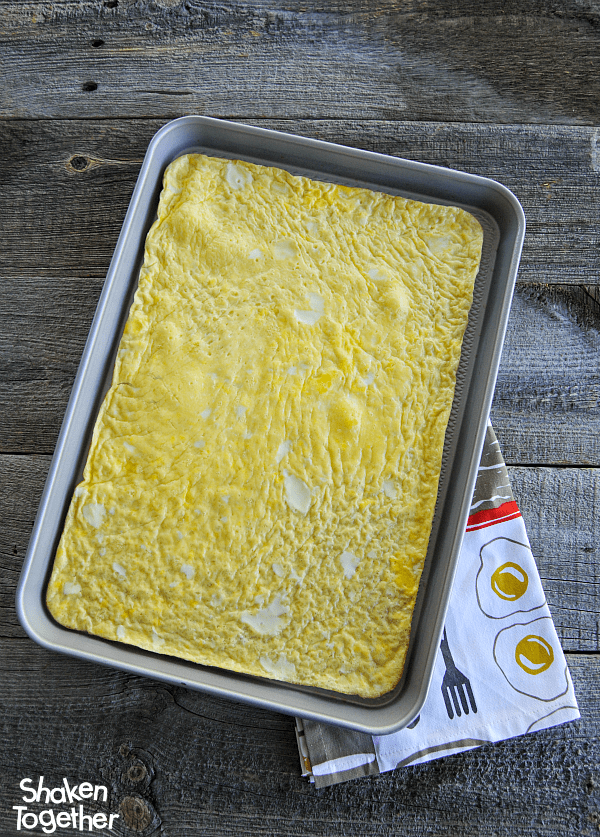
{"x": 504, "y": 226}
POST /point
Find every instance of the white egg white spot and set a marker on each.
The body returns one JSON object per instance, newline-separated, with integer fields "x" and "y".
{"x": 256, "y": 254}
{"x": 157, "y": 640}
{"x": 103, "y": 551}
{"x": 269, "y": 620}
{"x": 199, "y": 443}
{"x": 94, "y": 514}
{"x": 70, "y": 588}
{"x": 120, "y": 632}
{"x": 389, "y": 489}
{"x": 119, "y": 569}
{"x": 237, "y": 177}
{"x": 438, "y": 244}
{"x": 247, "y": 436}
{"x": 317, "y": 303}
{"x": 188, "y": 571}
{"x": 206, "y": 413}
{"x": 368, "y": 379}
{"x": 240, "y": 411}
{"x": 129, "y": 447}
{"x": 376, "y": 275}
{"x": 174, "y": 583}
{"x": 285, "y": 249}
{"x": 307, "y": 317}
{"x": 349, "y": 563}
{"x": 280, "y": 188}
{"x": 79, "y": 491}
{"x": 278, "y": 570}
{"x": 297, "y": 493}
{"x": 317, "y": 306}
{"x": 283, "y": 449}
{"x": 292, "y": 370}
{"x": 282, "y": 669}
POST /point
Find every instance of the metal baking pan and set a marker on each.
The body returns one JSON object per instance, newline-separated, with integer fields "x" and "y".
{"x": 504, "y": 225}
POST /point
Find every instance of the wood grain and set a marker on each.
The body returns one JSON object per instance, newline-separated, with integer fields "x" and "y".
{"x": 544, "y": 411}
{"x": 546, "y": 407}
{"x": 561, "y": 510}
{"x": 22, "y": 481}
{"x": 43, "y": 328}
{"x": 509, "y": 91}
{"x": 193, "y": 761}
{"x": 420, "y": 60}
{"x": 67, "y": 185}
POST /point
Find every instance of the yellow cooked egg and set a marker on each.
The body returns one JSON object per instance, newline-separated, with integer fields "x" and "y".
{"x": 262, "y": 477}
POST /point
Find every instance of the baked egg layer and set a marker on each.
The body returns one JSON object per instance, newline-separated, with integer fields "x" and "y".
{"x": 262, "y": 477}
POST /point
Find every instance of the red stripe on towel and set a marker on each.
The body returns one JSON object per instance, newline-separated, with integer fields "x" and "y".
{"x": 487, "y": 517}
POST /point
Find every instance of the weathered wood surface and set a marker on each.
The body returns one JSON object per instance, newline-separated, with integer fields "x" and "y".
{"x": 449, "y": 61}
{"x": 510, "y": 92}
{"x": 203, "y": 766}
{"x": 56, "y": 176}
{"x": 544, "y": 411}
{"x": 546, "y": 407}
{"x": 561, "y": 510}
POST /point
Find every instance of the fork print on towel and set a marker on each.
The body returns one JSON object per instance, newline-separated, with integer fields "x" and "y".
{"x": 456, "y": 688}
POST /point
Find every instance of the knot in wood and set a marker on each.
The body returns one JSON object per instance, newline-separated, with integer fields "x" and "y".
{"x": 136, "y": 772}
{"x": 78, "y": 163}
{"x": 135, "y": 813}
{"x": 89, "y": 86}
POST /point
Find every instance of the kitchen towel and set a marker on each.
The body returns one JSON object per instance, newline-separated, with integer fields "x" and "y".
{"x": 500, "y": 671}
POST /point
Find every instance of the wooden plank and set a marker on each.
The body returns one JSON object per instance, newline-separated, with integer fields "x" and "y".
{"x": 545, "y": 412}
{"x": 190, "y": 758}
{"x": 22, "y": 481}
{"x": 425, "y": 61}
{"x": 43, "y": 328}
{"x": 67, "y": 184}
{"x": 561, "y": 509}
{"x": 546, "y": 407}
